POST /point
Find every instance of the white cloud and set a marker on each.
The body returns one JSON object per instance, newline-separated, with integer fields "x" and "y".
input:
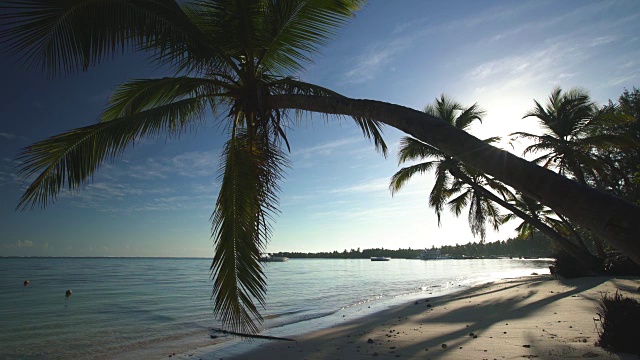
{"x": 374, "y": 185}
{"x": 326, "y": 148}
{"x": 11, "y": 136}
{"x": 26, "y": 243}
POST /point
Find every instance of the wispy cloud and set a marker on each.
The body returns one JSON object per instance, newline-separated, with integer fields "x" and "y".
{"x": 189, "y": 164}
{"x": 380, "y": 55}
{"x": 379, "y": 184}
{"x": 9, "y": 136}
{"x": 26, "y": 244}
{"x": 327, "y": 148}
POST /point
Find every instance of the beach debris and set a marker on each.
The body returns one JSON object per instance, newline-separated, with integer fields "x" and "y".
{"x": 471, "y": 334}
{"x": 26, "y": 283}
{"x": 526, "y": 346}
{"x": 68, "y": 293}
{"x": 534, "y": 273}
{"x": 428, "y": 305}
{"x": 213, "y": 336}
{"x": 370, "y": 341}
{"x": 392, "y": 347}
{"x": 475, "y": 336}
{"x": 444, "y": 346}
{"x": 249, "y": 335}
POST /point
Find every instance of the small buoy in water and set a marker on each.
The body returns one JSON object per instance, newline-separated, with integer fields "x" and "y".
{"x": 68, "y": 293}
{"x": 26, "y": 283}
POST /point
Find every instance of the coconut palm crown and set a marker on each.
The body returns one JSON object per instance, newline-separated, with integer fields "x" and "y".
{"x": 226, "y": 57}
{"x": 570, "y": 122}
{"x": 449, "y": 190}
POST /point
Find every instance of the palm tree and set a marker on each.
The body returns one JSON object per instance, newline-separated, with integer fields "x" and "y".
{"x": 539, "y": 212}
{"x": 573, "y": 135}
{"x": 449, "y": 190}
{"x": 469, "y": 186}
{"x": 604, "y": 214}
{"x": 227, "y": 58}
{"x": 570, "y": 122}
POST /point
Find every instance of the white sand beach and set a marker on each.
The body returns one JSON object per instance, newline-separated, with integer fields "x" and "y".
{"x": 531, "y": 317}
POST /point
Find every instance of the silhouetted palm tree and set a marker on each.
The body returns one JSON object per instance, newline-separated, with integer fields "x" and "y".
{"x": 449, "y": 190}
{"x": 238, "y": 58}
{"x": 569, "y": 121}
{"x": 228, "y": 57}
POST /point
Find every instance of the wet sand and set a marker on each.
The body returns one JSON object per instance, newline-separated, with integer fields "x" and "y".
{"x": 531, "y": 317}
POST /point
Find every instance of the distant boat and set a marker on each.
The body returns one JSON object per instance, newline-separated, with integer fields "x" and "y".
{"x": 433, "y": 255}
{"x": 269, "y": 258}
{"x": 380, "y": 258}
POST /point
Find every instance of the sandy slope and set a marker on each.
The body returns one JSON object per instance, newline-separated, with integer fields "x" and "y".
{"x": 533, "y": 317}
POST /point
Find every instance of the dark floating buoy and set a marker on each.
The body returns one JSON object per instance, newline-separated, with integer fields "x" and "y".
{"x": 68, "y": 293}
{"x": 26, "y": 283}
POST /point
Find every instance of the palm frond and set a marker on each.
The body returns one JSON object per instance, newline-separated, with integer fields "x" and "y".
{"x": 291, "y": 31}
{"x": 139, "y": 95}
{"x": 440, "y": 193}
{"x": 413, "y": 149}
{"x": 400, "y": 178}
{"x": 72, "y": 35}
{"x": 73, "y": 157}
{"x": 458, "y": 203}
{"x": 372, "y": 130}
{"x": 468, "y": 116}
{"x": 251, "y": 173}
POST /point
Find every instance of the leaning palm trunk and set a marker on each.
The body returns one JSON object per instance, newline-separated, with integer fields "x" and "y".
{"x": 608, "y": 216}
{"x": 585, "y": 258}
{"x": 573, "y": 231}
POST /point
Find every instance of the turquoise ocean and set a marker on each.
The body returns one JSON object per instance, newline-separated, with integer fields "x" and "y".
{"x": 148, "y": 308}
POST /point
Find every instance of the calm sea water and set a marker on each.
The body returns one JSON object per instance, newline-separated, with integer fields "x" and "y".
{"x": 150, "y": 307}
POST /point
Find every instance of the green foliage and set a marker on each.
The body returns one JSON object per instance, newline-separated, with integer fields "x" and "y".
{"x": 573, "y": 135}
{"x": 619, "y": 317}
{"x": 449, "y": 190}
{"x": 228, "y": 56}
{"x": 536, "y": 245}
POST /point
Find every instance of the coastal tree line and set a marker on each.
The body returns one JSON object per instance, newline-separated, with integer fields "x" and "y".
{"x": 240, "y": 60}
{"x": 536, "y": 245}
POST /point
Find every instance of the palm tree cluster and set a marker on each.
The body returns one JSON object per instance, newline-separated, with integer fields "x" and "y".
{"x": 235, "y": 62}
{"x": 576, "y": 134}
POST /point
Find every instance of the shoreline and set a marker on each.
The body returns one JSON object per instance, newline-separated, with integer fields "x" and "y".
{"x": 527, "y": 317}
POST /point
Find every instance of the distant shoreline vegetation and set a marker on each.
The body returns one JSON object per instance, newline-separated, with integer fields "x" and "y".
{"x": 536, "y": 245}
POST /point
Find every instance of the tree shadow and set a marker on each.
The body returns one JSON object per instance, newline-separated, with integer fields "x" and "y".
{"x": 497, "y": 309}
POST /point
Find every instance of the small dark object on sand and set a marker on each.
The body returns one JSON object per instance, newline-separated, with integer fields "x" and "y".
{"x": 428, "y": 305}
{"x": 471, "y": 334}
{"x": 444, "y": 346}
{"x": 475, "y": 336}
{"x": 26, "y": 283}
{"x": 526, "y": 346}
{"x": 370, "y": 341}
{"x": 213, "y": 336}
{"x": 68, "y": 293}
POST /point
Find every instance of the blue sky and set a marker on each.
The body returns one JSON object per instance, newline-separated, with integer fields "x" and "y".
{"x": 156, "y": 199}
